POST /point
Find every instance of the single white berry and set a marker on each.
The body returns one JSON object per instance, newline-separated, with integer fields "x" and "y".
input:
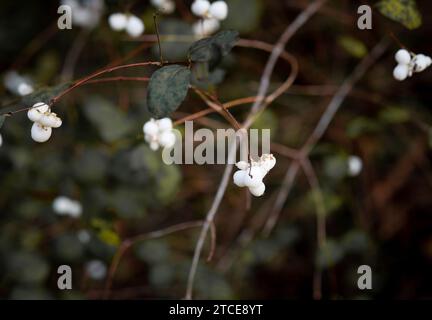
{"x": 165, "y": 124}
{"x": 37, "y": 111}
{"x": 135, "y": 27}
{"x": 242, "y": 165}
{"x": 205, "y": 27}
{"x": 401, "y": 72}
{"x": 258, "y": 191}
{"x": 1, "y": 140}
{"x": 268, "y": 161}
{"x": 167, "y": 7}
{"x": 151, "y": 128}
{"x": 219, "y": 10}
{"x": 239, "y": 178}
{"x": 167, "y": 139}
{"x": 254, "y": 176}
{"x": 50, "y": 120}
{"x": 24, "y": 89}
{"x": 200, "y": 7}
{"x": 355, "y": 166}
{"x": 40, "y": 133}
{"x": 118, "y": 21}
{"x": 403, "y": 56}
{"x": 154, "y": 145}
{"x": 421, "y": 62}
{"x": 96, "y": 269}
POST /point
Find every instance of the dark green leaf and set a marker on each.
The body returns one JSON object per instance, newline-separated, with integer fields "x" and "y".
{"x": 213, "y": 48}
{"x": 167, "y": 89}
{"x": 402, "y": 11}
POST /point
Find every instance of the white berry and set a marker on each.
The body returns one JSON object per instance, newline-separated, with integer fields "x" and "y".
{"x": 167, "y": 139}
{"x": 167, "y": 7}
{"x": 421, "y": 62}
{"x": 37, "y": 111}
{"x": 239, "y": 178}
{"x": 242, "y": 165}
{"x": 40, "y": 133}
{"x": 219, "y": 10}
{"x": 200, "y": 7}
{"x": 1, "y": 140}
{"x": 165, "y": 124}
{"x": 403, "y": 56}
{"x": 254, "y": 176}
{"x": 401, "y": 72}
{"x": 268, "y": 161}
{"x": 205, "y": 27}
{"x": 151, "y": 128}
{"x": 355, "y": 166}
{"x": 135, "y": 27}
{"x": 118, "y": 21}
{"x": 259, "y": 190}
{"x": 50, "y": 120}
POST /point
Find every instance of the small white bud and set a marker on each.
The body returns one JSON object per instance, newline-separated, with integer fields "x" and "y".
{"x": 258, "y": 191}
{"x": 135, "y": 27}
{"x": 219, "y": 10}
{"x": 401, "y": 72}
{"x": 200, "y": 7}
{"x": 151, "y": 128}
{"x": 403, "y": 56}
{"x": 118, "y": 21}
{"x": 40, "y": 133}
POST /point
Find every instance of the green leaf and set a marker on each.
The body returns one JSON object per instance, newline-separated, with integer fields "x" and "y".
{"x": 2, "y": 120}
{"x": 353, "y": 46}
{"x": 111, "y": 122}
{"x": 213, "y": 48}
{"x": 244, "y": 15}
{"x": 167, "y": 89}
{"x": 402, "y": 11}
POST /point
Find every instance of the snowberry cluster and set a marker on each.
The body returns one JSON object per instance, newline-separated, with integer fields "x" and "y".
{"x": 159, "y": 133}
{"x": 211, "y": 13}
{"x": 85, "y": 14}
{"x": 44, "y": 120}
{"x": 408, "y": 63}
{"x": 164, "y": 6}
{"x": 18, "y": 84}
{"x": 133, "y": 25}
{"x": 64, "y": 206}
{"x": 252, "y": 176}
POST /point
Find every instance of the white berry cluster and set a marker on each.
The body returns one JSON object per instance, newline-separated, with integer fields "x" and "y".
{"x": 252, "y": 177}
{"x": 64, "y": 206}
{"x": 133, "y": 25}
{"x": 85, "y": 14}
{"x": 164, "y": 6}
{"x": 159, "y": 133}
{"x": 211, "y": 13}
{"x": 44, "y": 120}
{"x": 409, "y": 63}
{"x": 18, "y": 84}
